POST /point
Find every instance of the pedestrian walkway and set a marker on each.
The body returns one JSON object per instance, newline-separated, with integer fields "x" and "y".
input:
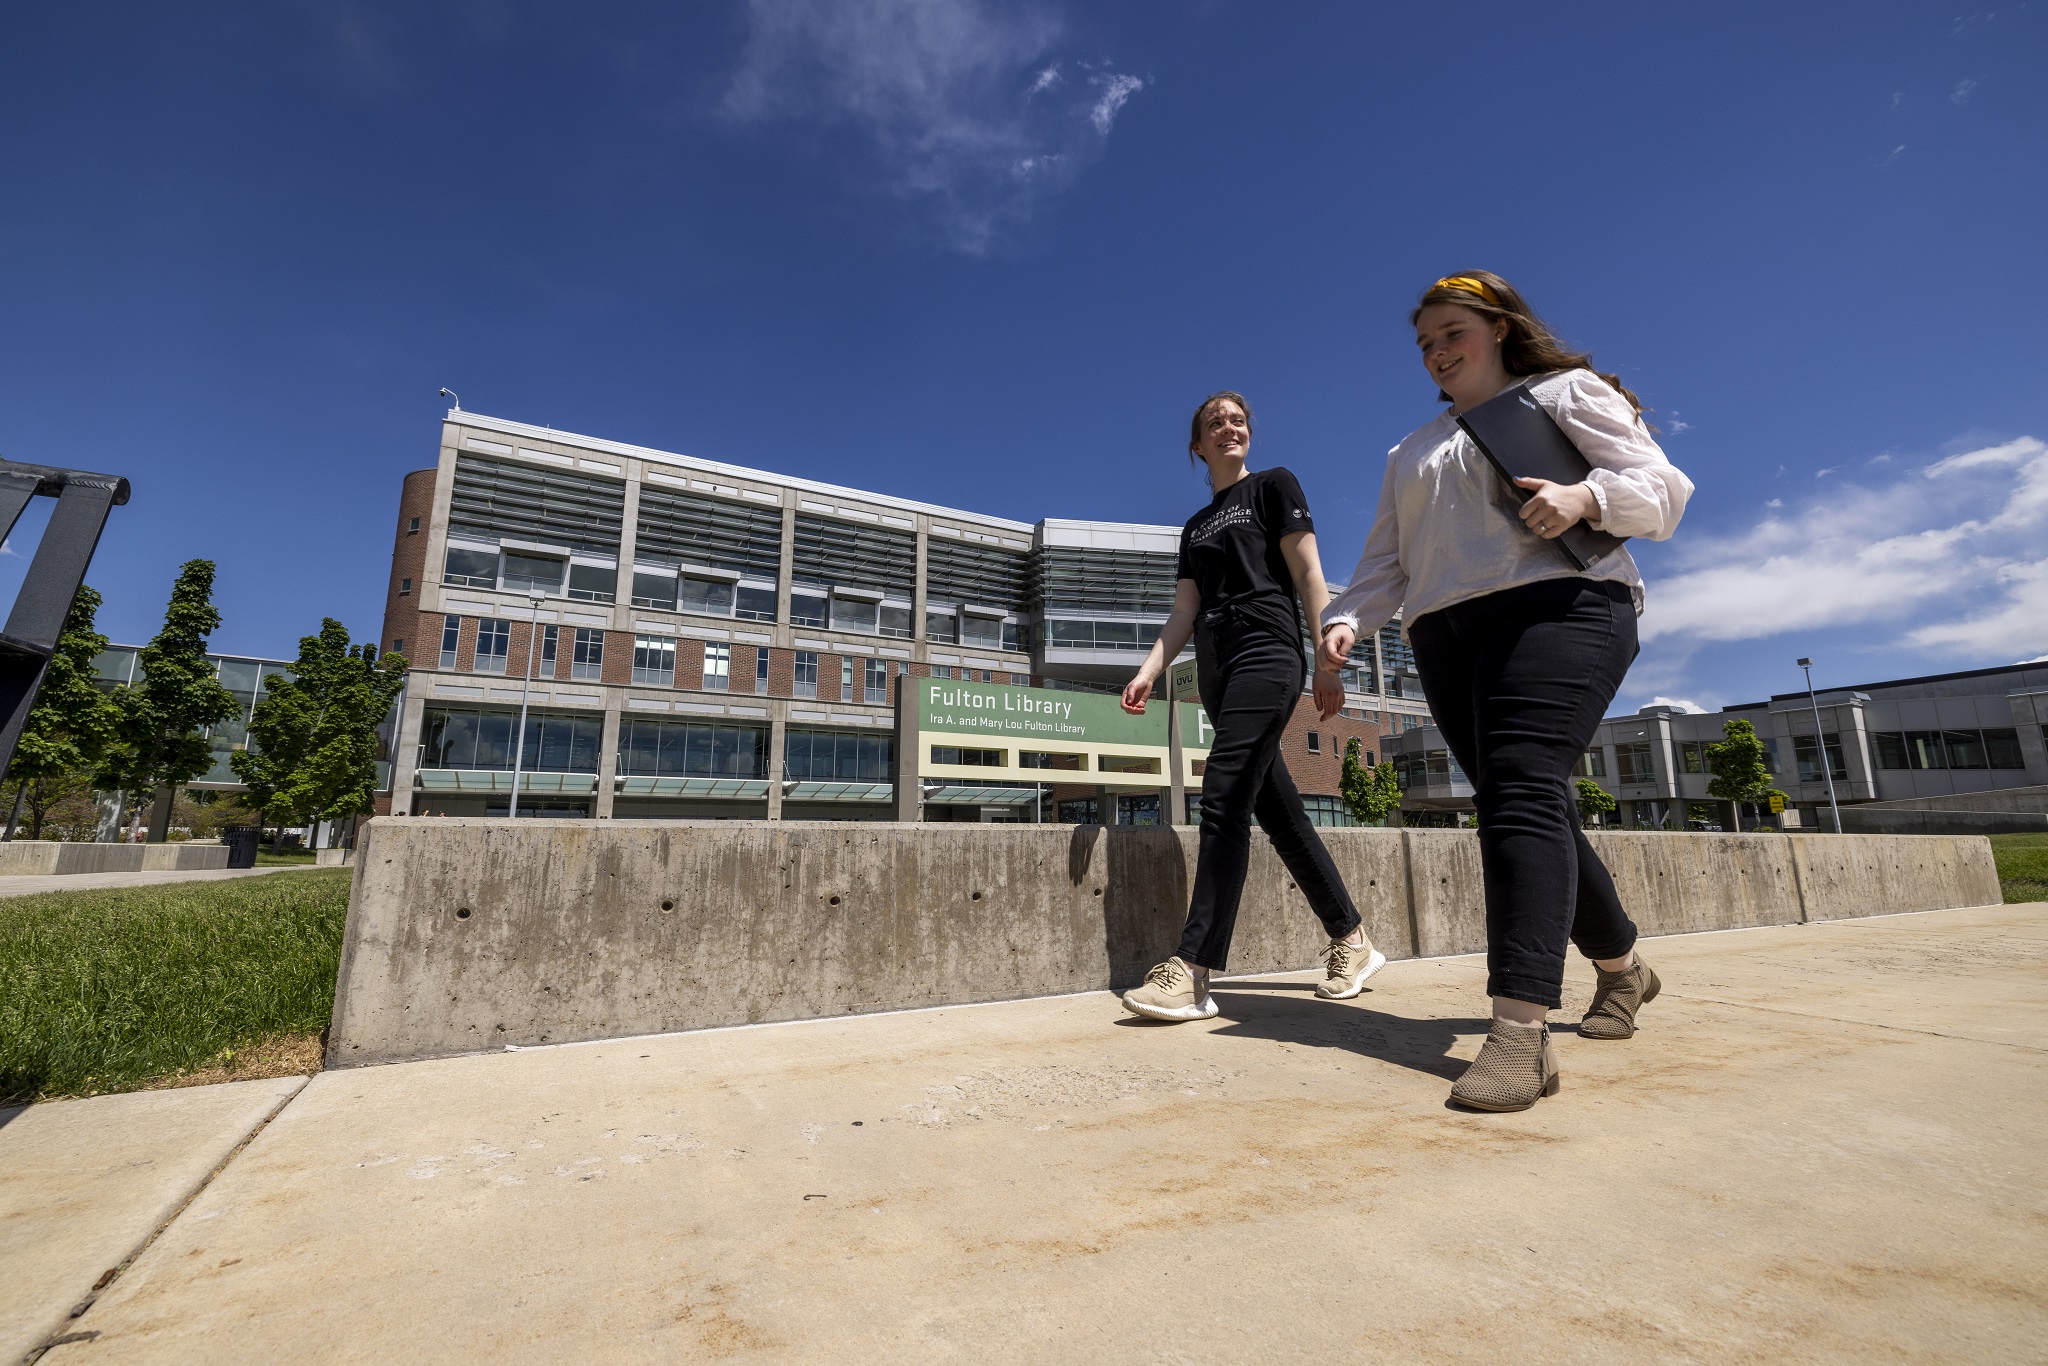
{"x": 1824, "y": 1146}
{"x": 28, "y": 884}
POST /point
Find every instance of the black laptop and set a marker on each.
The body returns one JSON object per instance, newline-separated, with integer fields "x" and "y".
{"x": 1522, "y": 441}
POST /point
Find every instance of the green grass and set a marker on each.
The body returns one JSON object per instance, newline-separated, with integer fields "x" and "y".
{"x": 296, "y": 858}
{"x": 2022, "y": 866}
{"x": 109, "y": 990}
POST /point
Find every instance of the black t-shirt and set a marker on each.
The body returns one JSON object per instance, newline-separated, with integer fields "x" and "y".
{"x": 1231, "y": 549}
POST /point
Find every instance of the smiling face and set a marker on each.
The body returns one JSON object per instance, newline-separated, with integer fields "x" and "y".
{"x": 1225, "y": 441}
{"x": 1461, "y": 350}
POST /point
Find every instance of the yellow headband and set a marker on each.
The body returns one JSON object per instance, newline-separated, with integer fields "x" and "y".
{"x": 1468, "y": 285}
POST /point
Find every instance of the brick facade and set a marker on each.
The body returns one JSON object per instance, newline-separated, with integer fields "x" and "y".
{"x": 409, "y": 564}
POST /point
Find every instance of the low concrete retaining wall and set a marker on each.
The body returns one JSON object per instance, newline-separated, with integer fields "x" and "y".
{"x": 1861, "y": 820}
{"x": 54, "y": 856}
{"x": 467, "y": 934}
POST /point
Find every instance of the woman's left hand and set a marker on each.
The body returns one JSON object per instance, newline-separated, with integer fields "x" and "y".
{"x": 1329, "y": 693}
{"x": 1553, "y": 508}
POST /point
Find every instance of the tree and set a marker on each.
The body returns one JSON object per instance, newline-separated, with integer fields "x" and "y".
{"x": 164, "y": 717}
{"x": 313, "y": 736}
{"x": 1737, "y": 763}
{"x": 70, "y": 724}
{"x": 1595, "y": 801}
{"x": 1370, "y": 792}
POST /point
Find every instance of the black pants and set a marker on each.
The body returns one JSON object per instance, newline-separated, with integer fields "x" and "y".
{"x": 1518, "y": 681}
{"x": 1251, "y": 680}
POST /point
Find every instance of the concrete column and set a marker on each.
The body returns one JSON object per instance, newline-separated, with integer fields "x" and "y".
{"x": 918, "y": 596}
{"x": 778, "y": 737}
{"x": 909, "y": 786}
{"x": 629, "y": 536}
{"x": 785, "y": 568}
{"x": 405, "y": 749}
{"x": 608, "y": 755}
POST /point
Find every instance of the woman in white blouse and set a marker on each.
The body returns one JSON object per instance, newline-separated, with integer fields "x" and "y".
{"x": 1520, "y": 652}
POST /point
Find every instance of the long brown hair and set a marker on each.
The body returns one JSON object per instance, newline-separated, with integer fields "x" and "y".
{"x": 1195, "y": 423}
{"x": 1530, "y": 347}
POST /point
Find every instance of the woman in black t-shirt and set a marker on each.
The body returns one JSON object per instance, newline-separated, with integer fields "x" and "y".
{"x": 1247, "y": 567}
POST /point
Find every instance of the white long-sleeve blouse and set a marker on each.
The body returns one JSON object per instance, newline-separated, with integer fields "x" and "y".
{"x": 1447, "y": 529}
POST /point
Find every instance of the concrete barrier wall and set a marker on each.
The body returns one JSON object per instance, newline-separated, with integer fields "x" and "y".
{"x": 467, "y": 934}
{"x": 1858, "y": 820}
{"x": 54, "y": 856}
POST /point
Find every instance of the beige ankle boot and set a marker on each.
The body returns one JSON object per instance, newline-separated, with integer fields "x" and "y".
{"x": 1616, "y": 999}
{"x": 1513, "y": 1068}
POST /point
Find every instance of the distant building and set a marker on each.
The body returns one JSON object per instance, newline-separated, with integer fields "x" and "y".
{"x": 241, "y": 675}
{"x": 1980, "y": 730}
{"x": 711, "y": 641}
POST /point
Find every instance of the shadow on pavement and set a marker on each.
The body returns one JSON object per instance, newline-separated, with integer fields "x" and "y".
{"x": 1421, "y": 1045}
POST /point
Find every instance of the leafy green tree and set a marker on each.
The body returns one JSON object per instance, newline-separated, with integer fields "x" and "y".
{"x": 1595, "y": 801}
{"x": 161, "y": 738}
{"x": 70, "y": 724}
{"x": 1370, "y": 792}
{"x": 1737, "y": 763}
{"x": 313, "y": 737}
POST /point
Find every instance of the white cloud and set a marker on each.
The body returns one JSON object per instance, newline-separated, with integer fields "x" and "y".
{"x": 1962, "y": 91}
{"x": 959, "y": 104}
{"x": 1678, "y": 424}
{"x": 1945, "y": 559}
{"x": 1776, "y": 503}
{"x": 1681, "y": 703}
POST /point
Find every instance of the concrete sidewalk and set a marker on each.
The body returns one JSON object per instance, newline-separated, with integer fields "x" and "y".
{"x": 28, "y": 884}
{"x": 1825, "y": 1145}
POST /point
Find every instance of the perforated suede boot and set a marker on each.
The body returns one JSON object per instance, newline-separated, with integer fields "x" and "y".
{"x": 1616, "y": 999}
{"x": 1513, "y": 1068}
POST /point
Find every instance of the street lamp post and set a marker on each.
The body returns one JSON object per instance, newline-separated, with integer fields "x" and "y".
{"x": 1820, "y": 746}
{"x": 525, "y": 688}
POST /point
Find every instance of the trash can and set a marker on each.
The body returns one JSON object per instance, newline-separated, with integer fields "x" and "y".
{"x": 241, "y": 841}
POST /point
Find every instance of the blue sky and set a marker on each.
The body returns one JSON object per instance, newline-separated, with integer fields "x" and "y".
{"x": 991, "y": 255}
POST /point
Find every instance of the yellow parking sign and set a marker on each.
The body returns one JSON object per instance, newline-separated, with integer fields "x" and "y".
{"x": 1777, "y": 804}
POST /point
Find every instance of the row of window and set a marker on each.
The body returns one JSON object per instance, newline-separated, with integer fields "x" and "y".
{"x": 1913, "y": 749}
{"x": 1929, "y": 749}
{"x": 1430, "y": 768}
{"x": 476, "y": 739}
{"x": 960, "y": 757}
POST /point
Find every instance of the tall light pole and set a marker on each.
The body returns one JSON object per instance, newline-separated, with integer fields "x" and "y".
{"x": 1820, "y": 745}
{"x": 525, "y": 687}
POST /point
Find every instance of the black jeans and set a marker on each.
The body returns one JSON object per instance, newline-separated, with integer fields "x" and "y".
{"x": 1250, "y": 681}
{"x": 1518, "y": 681}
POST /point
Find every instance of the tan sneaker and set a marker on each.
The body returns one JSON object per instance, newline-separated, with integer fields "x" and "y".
{"x": 1168, "y": 993}
{"x": 1346, "y": 966}
{"x": 1513, "y": 1068}
{"x": 1617, "y": 996}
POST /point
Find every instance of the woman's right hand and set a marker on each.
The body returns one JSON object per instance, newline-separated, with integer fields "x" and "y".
{"x": 1136, "y": 691}
{"x": 1337, "y": 643}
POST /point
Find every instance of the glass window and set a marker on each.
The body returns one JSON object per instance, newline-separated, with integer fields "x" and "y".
{"x": 806, "y": 673}
{"x": 717, "y": 666}
{"x": 942, "y": 671}
{"x": 593, "y": 583}
{"x": 589, "y": 660}
{"x": 1808, "y": 758}
{"x": 705, "y": 595}
{"x": 760, "y": 671}
{"x": 806, "y": 610}
{"x": 550, "y": 637}
{"x": 1077, "y": 811}
{"x": 654, "y": 589}
{"x": 846, "y": 677}
{"x": 2002, "y": 749}
{"x": 848, "y": 615}
{"x": 1692, "y": 757}
{"x": 1965, "y": 748}
{"x": 1125, "y": 763}
{"x": 895, "y": 622}
{"x": 413, "y": 528}
{"x": 1923, "y": 749}
{"x": 967, "y": 758}
{"x": 1016, "y": 637}
{"x": 691, "y": 749}
{"x": 654, "y": 660}
{"x": 754, "y": 604}
{"x": 941, "y": 628}
{"x": 470, "y": 738}
{"x": 493, "y": 644}
{"x": 1593, "y": 764}
{"x": 471, "y": 568}
{"x": 1315, "y": 743}
{"x": 1065, "y": 763}
{"x": 1635, "y": 763}
{"x": 982, "y": 632}
{"x": 875, "y": 682}
{"x": 398, "y": 645}
{"x": 837, "y": 756}
{"x": 405, "y": 588}
{"x": 524, "y": 573}
{"x": 451, "y": 638}
{"x": 1890, "y": 746}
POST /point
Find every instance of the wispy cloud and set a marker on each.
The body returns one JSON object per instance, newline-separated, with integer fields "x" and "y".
{"x": 1950, "y": 559}
{"x": 1896, "y": 153}
{"x": 1677, "y": 424}
{"x": 963, "y": 105}
{"x": 1962, "y": 91}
